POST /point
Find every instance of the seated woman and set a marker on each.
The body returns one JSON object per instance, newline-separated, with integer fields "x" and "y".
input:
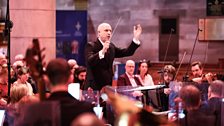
{"x": 143, "y": 73}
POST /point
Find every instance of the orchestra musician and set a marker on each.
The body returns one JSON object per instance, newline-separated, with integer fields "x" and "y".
{"x": 168, "y": 75}
{"x": 201, "y": 81}
{"x": 197, "y": 72}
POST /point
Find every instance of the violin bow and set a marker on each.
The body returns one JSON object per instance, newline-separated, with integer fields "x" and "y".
{"x": 206, "y": 56}
{"x": 182, "y": 59}
{"x": 167, "y": 47}
{"x": 168, "y": 44}
{"x": 186, "y": 74}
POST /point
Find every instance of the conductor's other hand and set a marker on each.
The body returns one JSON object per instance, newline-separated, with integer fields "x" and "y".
{"x": 105, "y": 46}
{"x": 137, "y": 32}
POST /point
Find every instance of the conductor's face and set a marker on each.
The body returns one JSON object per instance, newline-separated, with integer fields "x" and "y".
{"x": 104, "y": 32}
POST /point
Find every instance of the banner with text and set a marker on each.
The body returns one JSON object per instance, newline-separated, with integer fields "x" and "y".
{"x": 71, "y": 35}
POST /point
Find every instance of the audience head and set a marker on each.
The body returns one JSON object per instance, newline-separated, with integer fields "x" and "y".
{"x": 196, "y": 69}
{"x": 28, "y": 99}
{"x": 104, "y": 32}
{"x": 73, "y": 65}
{"x": 22, "y": 74}
{"x": 216, "y": 89}
{"x": 19, "y": 57}
{"x": 143, "y": 67}
{"x": 191, "y": 97}
{"x": 58, "y": 71}
{"x": 169, "y": 73}
{"x": 130, "y": 67}
{"x": 80, "y": 74}
{"x": 18, "y": 64}
{"x": 87, "y": 119}
{"x": 4, "y": 72}
{"x": 17, "y": 92}
{"x": 3, "y": 59}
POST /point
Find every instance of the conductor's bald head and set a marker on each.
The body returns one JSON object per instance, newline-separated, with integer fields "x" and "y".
{"x": 104, "y": 32}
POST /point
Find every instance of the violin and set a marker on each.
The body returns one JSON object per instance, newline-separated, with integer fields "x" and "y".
{"x": 209, "y": 77}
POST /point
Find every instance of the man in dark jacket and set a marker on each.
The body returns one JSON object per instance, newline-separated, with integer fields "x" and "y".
{"x": 100, "y": 55}
{"x": 59, "y": 74}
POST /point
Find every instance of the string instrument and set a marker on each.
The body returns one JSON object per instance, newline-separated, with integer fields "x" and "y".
{"x": 209, "y": 77}
{"x": 34, "y": 61}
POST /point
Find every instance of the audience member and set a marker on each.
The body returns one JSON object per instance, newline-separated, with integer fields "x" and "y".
{"x": 215, "y": 97}
{"x": 3, "y": 59}
{"x": 17, "y": 92}
{"x": 80, "y": 76}
{"x": 87, "y": 119}
{"x": 73, "y": 65}
{"x": 19, "y": 57}
{"x": 22, "y": 78}
{"x": 191, "y": 99}
{"x": 59, "y": 74}
{"x": 3, "y": 84}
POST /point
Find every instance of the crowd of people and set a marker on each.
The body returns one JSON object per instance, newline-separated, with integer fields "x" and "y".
{"x": 200, "y": 99}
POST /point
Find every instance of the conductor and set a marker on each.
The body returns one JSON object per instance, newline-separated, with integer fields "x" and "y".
{"x": 100, "y": 55}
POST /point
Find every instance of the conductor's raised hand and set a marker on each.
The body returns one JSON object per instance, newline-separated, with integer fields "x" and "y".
{"x": 106, "y": 46}
{"x": 137, "y": 32}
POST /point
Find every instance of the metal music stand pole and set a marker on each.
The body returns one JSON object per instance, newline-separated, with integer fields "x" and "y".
{"x": 7, "y": 30}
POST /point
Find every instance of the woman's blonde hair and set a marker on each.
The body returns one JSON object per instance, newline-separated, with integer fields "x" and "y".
{"x": 17, "y": 92}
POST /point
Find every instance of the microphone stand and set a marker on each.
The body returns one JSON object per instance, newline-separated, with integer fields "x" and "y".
{"x": 186, "y": 76}
{"x": 7, "y": 30}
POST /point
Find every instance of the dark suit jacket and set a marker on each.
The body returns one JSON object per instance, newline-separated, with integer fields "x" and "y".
{"x": 70, "y": 107}
{"x": 215, "y": 105}
{"x": 99, "y": 71}
{"x": 123, "y": 80}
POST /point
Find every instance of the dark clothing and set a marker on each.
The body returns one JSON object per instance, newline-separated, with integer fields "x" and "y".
{"x": 123, "y": 80}
{"x": 99, "y": 71}
{"x": 203, "y": 88}
{"x": 214, "y": 105}
{"x": 70, "y": 107}
{"x": 164, "y": 99}
{"x": 198, "y": 118}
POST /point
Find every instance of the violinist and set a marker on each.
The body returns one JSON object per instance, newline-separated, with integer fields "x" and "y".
{"x": 197, "y": 72}
{"x": 168, "y": 75}
{"x": 201, "y": 81}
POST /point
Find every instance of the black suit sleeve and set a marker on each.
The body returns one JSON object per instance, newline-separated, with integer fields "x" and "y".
{"x": 92, "y": 54}
{"x": 126, "y": 51}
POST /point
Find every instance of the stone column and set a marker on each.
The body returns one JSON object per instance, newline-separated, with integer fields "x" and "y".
{"x": 33, "y": 19}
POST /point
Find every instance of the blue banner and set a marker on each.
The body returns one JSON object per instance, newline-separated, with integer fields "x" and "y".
{"x": 71, "y": 35}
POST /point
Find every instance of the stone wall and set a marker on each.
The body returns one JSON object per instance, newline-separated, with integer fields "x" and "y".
{"x": 33, "y": 19}
{"x": 147, "y": 13}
